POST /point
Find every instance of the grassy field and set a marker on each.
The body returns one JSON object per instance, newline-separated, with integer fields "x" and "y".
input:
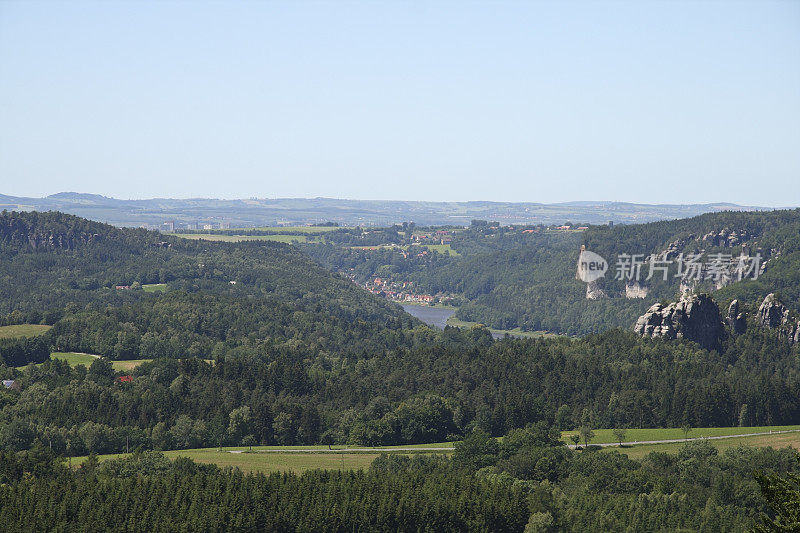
{"x": 286, "y": 458}
{"x": 453, "y": 321}
{"x": 85, "y": 359}
{"x": 154, "y": 287}
{"x": 443, "y": 249}
{"x": 603, "y": 436}
{"x": 22, "y": 330}
{"x": 127, "y": 366}
{"x": 781, "y": 440}
{"x": 301, "y": 458}
{"x": 74, "y": 359}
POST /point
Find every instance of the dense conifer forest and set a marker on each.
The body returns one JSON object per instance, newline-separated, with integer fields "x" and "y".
{"x": 528, "y": 483}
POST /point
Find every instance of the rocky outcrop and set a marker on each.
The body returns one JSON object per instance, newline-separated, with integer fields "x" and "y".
{"x": 63, "y": 241}
{"x": 594, "y": 292}
{"x": 736, "y": 319}
{"x": 687, "y": 286}
{"x": 773, "y": 314}
{"x": 634, "y": 289}
{"x": 726, "y": 238}
{"x": 676, "y": 246}
{"x": 694, "y": 317}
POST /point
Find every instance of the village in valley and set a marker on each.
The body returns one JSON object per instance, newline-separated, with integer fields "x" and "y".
{"x": 424, "y": 244}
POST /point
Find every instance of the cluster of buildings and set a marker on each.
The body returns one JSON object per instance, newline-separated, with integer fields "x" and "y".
{"x": 169, "y": 226}
{"x": 566, "y": 227}
{"x": 434, "y": 237}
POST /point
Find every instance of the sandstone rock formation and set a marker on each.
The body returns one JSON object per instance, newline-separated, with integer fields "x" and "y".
{"x": 727, "y": 238}
{"x": 736, "y": 319}
{"x": 773, "y": 314}
{"x": 634, "y": 289}
{"x": 694, "y": 317}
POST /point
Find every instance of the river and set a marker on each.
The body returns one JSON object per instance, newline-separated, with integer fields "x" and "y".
{"x": 437, "y": 317}
{"x": 433, "y": 316}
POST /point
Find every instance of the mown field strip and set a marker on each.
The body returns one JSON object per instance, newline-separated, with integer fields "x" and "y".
{"x": 603, "y": 436}
{"x": 301, "y": 458}
{"x": 23, "y": 330}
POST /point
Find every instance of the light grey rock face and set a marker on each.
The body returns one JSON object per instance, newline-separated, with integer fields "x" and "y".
{"x": 735, "y": 319}
{"x": 695, "y": 318}
{"x": 634, "y": 289}
{"x": 773, "y": 314}
{"x": 727, "y": 238}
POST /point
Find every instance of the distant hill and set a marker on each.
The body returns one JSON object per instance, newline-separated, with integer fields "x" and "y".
{"x": 269, "y": 212}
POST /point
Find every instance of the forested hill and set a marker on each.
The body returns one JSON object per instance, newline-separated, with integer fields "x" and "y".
{"x": 513, "y": 279}
{"x": 129, "y": 293}
{"x": 303, "y": 356}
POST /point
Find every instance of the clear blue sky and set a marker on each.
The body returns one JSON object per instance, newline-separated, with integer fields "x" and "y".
{"x": 655, "y": 102}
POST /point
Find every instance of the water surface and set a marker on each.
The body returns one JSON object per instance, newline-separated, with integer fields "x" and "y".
{"x": 433, "y": 316}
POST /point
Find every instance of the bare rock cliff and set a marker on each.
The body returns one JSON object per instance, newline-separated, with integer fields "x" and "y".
{"x": 773, "y": 314}
{"x": 694, "y": 317}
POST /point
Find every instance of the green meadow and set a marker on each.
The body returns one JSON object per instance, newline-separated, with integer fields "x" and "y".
{"x": 85, "y": 359}
{"x": 301, "y": 458}
{"x": 780, "y": 440}
{"x": 22, "y": 330}
{"x": 605, "y": 436}
{"x": 517, "y": 332}
{"x": 74, "y": 359}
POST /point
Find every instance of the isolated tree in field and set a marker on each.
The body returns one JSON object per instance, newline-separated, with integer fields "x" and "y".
{"x": 686, "y": 428}
{"x": 575, "y": 439}
{"x": 586, "y": 434}
{"x": 619, "y": 434}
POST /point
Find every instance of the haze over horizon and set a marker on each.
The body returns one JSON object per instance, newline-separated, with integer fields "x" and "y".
{"x": 656, "y": 103}
{"x": 378, "y": 199}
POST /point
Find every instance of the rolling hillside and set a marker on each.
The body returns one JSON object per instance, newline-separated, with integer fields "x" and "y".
{"x": 86, "y": 278}
{"x": 514, "y": 280}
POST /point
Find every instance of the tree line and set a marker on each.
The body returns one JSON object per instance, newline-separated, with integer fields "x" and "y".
{"x": 528, "y": 481}
{"x": 441, "y": 389}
